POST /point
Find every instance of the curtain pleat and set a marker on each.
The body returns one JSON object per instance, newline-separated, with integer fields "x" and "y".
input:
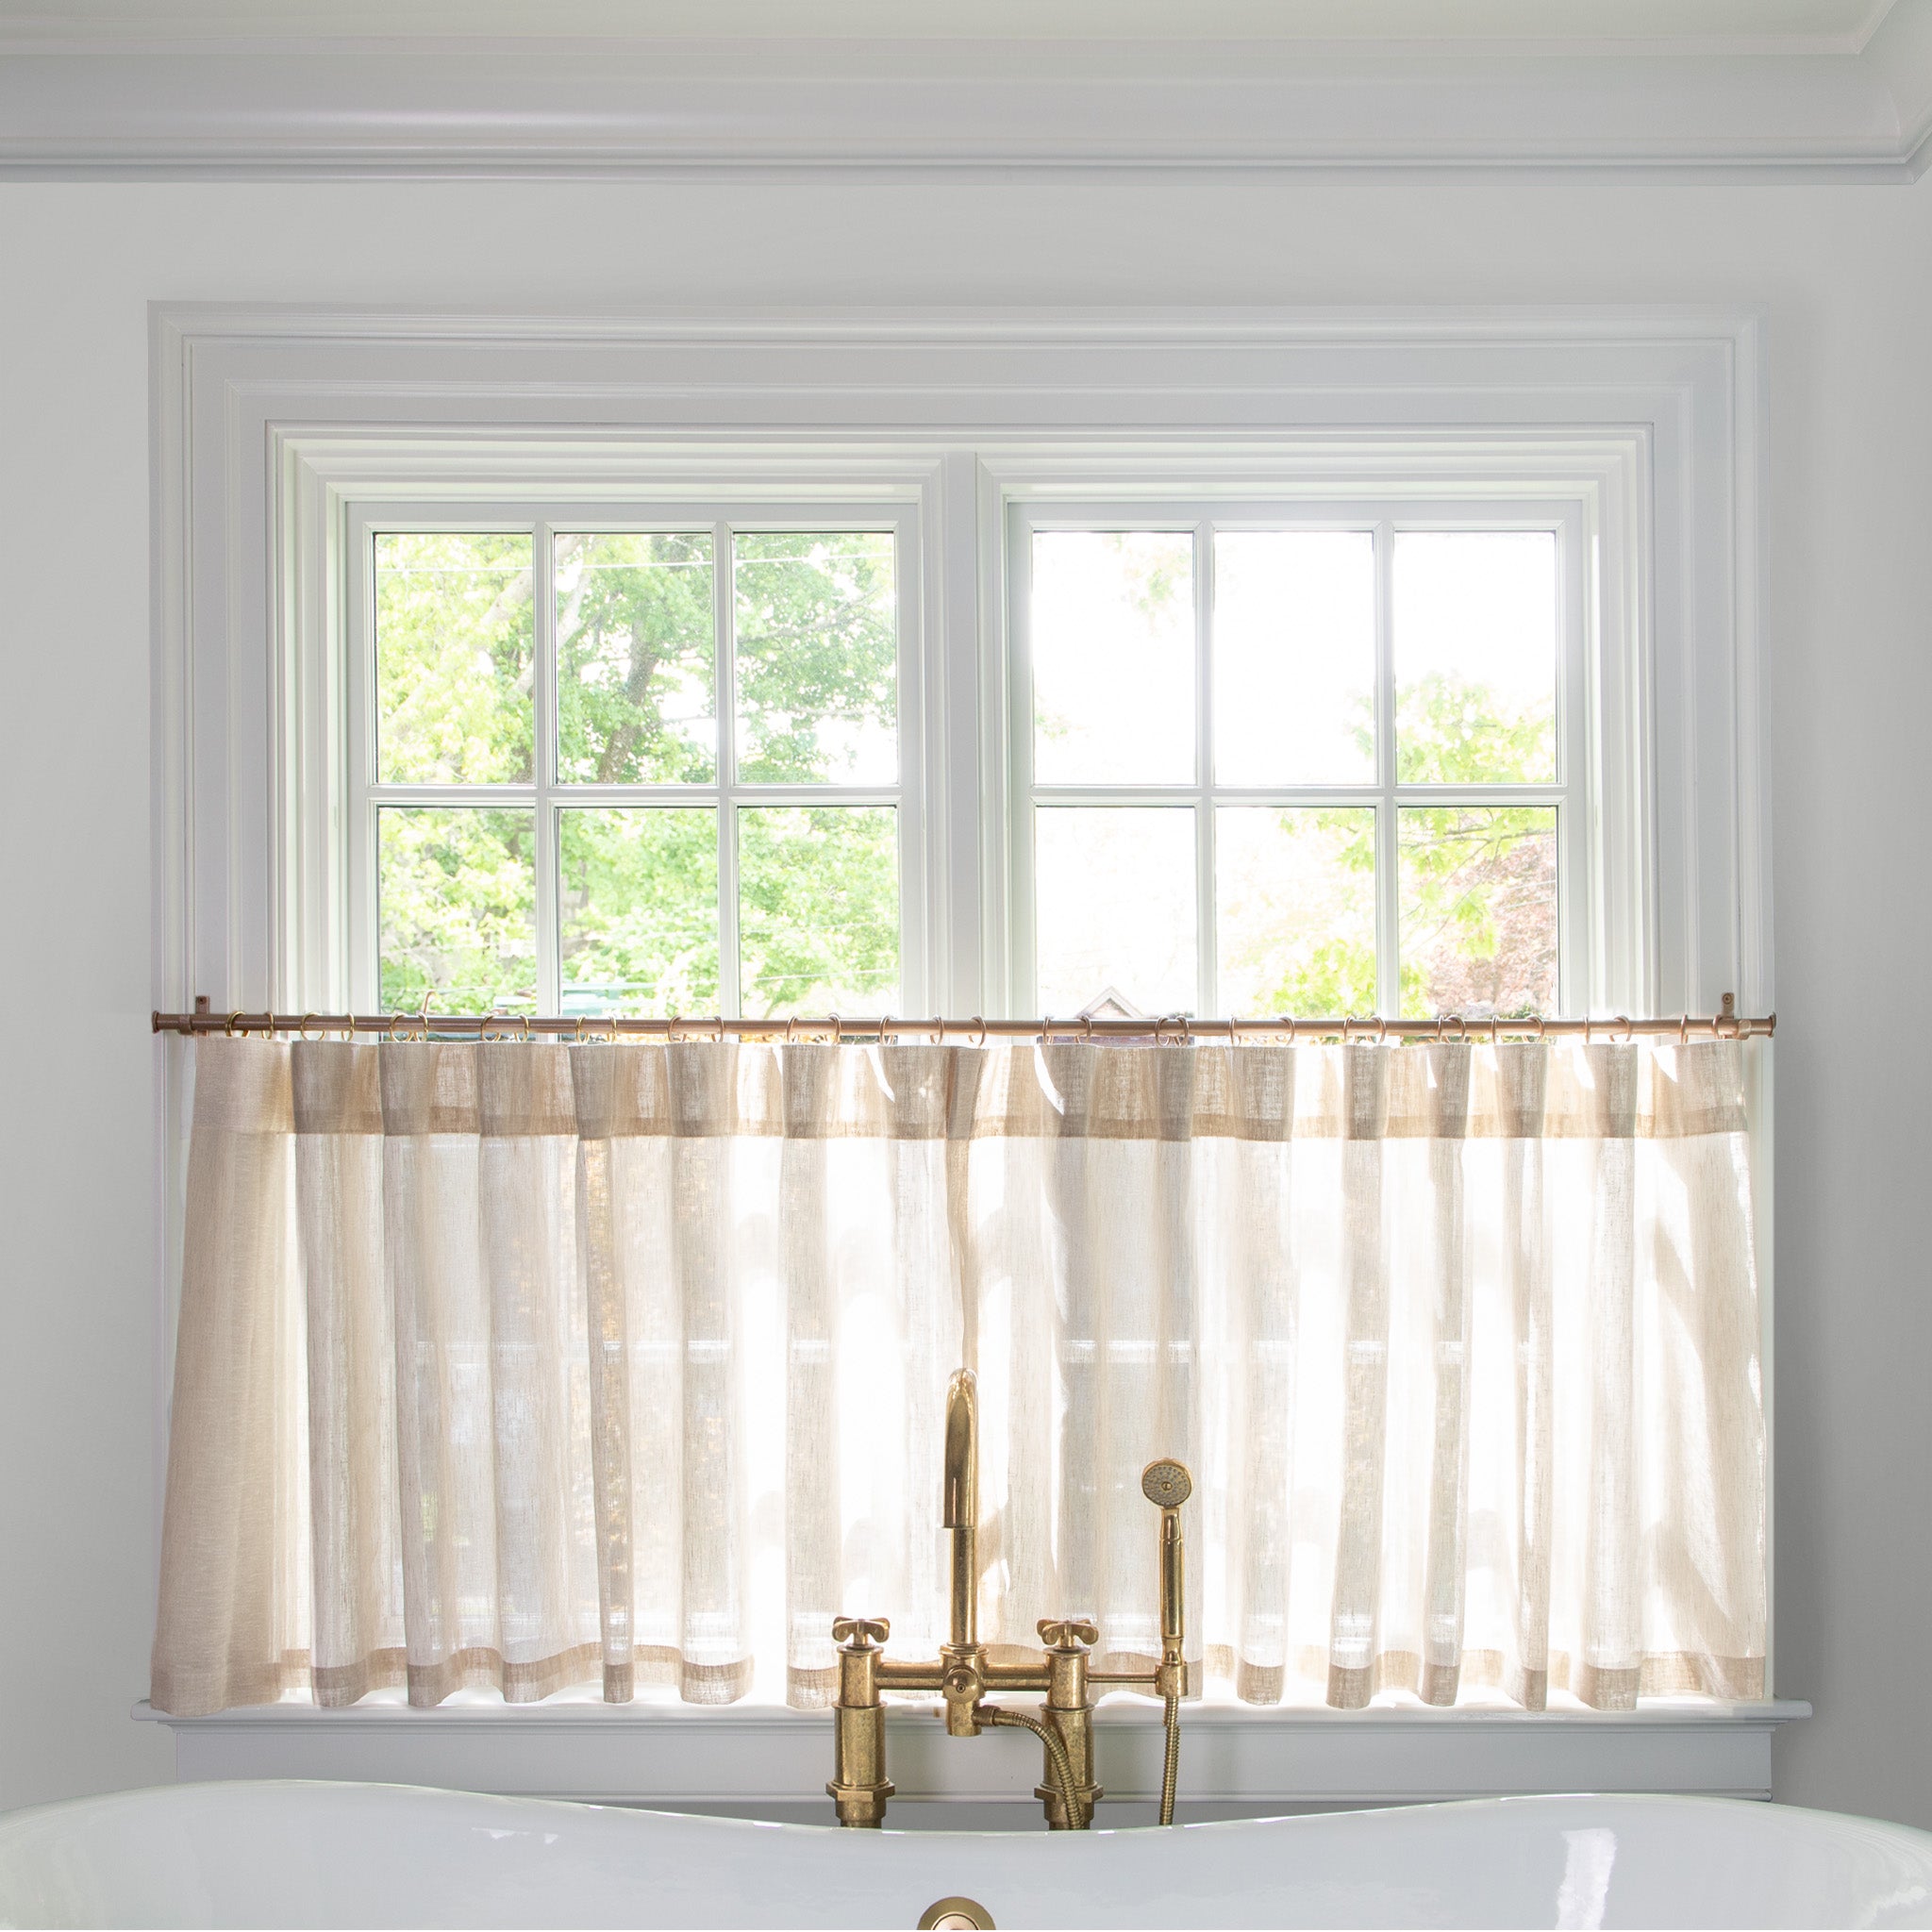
{"x": 354, "y": 1475}
{"x": 520, "y": 1367}
{"x": 1351, "y": 1645}
{"x": 232, "y": 1621}
{"x": 1449, "y": 1317}
{"x": 1521, "y": 1560}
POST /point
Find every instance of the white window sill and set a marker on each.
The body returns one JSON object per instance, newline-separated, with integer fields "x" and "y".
{"x": 775, "y": 1761}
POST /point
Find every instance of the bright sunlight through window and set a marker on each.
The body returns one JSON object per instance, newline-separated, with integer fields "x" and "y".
{"x": 1294, "y": 771}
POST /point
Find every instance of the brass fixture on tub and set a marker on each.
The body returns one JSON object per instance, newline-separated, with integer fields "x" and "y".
{"x": 963, "y": 1674}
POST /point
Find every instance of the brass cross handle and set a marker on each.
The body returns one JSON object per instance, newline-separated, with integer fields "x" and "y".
{"x": 1064, "y": 1633}
{"x": 863, "y": 1632}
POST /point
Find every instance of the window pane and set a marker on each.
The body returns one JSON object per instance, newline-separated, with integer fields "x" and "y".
{"x": 1113, "y": 657}
{"x": 1475, "y": 658}
{"x": 817, "y": 621}
{"x": 453, "y": 657}
{"x": 1114, "y": 897}
{"x": 1295, "y": 899}
{"x": 457, "y": 907}
{"x": 637, "y": 907}
{"x": 1478, "y": 910}
{"x": 1294, "y": 657}
{"x": 818, "y": 895}
{"x": 634, "y": 660}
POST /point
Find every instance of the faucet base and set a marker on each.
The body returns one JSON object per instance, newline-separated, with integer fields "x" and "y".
{"x": 1089, "y": 1796}
{"x": 860, "y": 1806}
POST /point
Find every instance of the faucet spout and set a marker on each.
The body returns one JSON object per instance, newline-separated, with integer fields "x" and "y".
{"x": 960, "y": 1503}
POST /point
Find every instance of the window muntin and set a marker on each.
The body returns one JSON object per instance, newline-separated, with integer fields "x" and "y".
{"x": 553, "y": 816}
{"x": 1377, "y": 810}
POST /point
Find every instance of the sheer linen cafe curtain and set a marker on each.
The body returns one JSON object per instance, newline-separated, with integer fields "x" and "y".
{"x": 531, "y": 1366}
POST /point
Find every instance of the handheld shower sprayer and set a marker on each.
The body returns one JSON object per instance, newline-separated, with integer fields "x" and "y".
{"x": 1168, "y": 1485}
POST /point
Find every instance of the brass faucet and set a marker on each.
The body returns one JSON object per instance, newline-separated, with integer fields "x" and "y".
{"x": 962, "y": 1674}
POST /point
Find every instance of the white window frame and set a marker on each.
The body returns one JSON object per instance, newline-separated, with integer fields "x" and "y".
{"x": 1647, "y": 421}
{"x": 1583, "y": 812}
{"x": 361, "y": 520}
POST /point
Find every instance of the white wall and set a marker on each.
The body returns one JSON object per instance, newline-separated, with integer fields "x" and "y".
{"x": 1845, "y": 277}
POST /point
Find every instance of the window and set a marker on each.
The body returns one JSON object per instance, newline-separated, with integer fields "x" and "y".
{"x": 1263, "y": 758}
{"x": 643, "y": 768}
{"x": 1294, "y": 763}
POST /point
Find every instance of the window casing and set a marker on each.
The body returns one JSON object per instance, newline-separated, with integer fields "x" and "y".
{"x": 1643, "y": 424}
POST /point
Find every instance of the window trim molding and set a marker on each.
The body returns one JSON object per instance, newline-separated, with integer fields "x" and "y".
{"x": 260, "y": 414}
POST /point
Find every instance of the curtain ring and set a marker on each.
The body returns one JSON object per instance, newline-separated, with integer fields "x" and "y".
{"x": 718, "y": 1039}
{"x": 1586, "y": 1039}
{"x": 526, "y": 1029}
{"x": 981, "y": 1025}
{"x": 838, "y": 1031}
{"x": 230, "y": 1028}
{"x": 482, "y": 1026}
{"x": 1381, "y": 1029}
{"x": 1623, "y": 1020}
{"x": 395, "y": 1039}
{"x": 1494, "y": 1024}
{"x": 579, "y": 1036}
{"x": 671, "y": 1031}
{"x": 1539, "y": 1030}
{"x": 884, "y": 1027}
{"x": 303, "y": 1029}
{"x": 1088, "y": 1034}
{"x": 610, "y": 1035}
{"x": 1684, "y": 1029}
{"x": 423, "y": 1020}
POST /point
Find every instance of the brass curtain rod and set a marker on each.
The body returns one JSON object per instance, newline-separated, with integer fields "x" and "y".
{"x": 1173, "y": 1027}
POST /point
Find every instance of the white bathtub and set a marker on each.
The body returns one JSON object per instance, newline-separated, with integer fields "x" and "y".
{"x": 291, "y": 1854}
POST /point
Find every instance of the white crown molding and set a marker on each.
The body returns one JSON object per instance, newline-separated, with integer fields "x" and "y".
{"x": 1730, "y": 27}
{"x": 345, "y": 107}
{"x": 1900, "y": 50}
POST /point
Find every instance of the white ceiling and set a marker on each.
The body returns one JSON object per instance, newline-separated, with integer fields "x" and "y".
{"x": 1570, "y": 26}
